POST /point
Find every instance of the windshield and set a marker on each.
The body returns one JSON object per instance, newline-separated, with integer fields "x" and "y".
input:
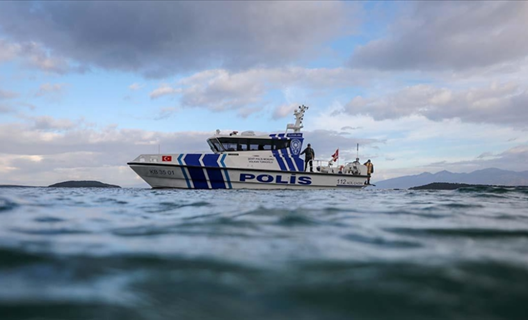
{"x": 215, "y": 145}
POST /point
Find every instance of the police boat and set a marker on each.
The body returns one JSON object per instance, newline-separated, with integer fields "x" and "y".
{"x": 248, "y": 161}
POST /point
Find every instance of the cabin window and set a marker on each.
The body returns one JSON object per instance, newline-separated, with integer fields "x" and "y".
{"x": 281, "y": 144}
{"x": 241, "y": 144}
{"x": 229, "y": 146}
{"x": 215, "y": 145}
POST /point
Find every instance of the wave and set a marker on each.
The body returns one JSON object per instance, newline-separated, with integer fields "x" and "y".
{"x": 494, "y": 189}
{"x": 7, "y": 204}
{"x": 154, "y": 287}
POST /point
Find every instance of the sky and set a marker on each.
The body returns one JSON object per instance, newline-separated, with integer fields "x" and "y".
{"x": 85, "y": 87}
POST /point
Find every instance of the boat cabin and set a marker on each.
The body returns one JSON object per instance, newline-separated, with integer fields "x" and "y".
{"x": 244, "y": 143}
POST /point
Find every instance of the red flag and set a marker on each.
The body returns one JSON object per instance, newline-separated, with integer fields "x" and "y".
{"x": 335, "y": 155}
{"x": 166, "y": 158}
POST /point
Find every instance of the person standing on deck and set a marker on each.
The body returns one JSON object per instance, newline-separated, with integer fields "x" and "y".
{"x": 370, "y": 170}
{"x": 309, "y": 155}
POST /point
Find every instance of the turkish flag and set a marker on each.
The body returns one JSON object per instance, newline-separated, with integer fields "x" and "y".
{"x": 335, "y": 155}
{"x": 166, "y": 158}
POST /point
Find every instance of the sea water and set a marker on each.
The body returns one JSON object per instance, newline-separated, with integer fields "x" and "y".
{"x": 338, "y": 254}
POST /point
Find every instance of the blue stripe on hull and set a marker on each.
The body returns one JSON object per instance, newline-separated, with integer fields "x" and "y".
{"x": 288, "y": 160}
{"x": 216, "y": 179}
{"x": 184, "y": 173}
{"x": 279, "y": 160}
{"x": 299, "y": 162}
{"x": 211, "y": 160}
{"x": 192, "y": 159}
{"x": 198, "y": 178}
{"x": 222, "y": 163}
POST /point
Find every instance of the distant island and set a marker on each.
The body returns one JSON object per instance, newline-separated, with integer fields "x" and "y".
{"x": 489, "y": 176}
{"x": 448, "y": 186}
{"x": 82, "y": 184}
{"x": 15, "y": 186}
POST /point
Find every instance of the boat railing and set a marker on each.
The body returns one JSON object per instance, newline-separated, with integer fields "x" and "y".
{"x": 326, "y": 166}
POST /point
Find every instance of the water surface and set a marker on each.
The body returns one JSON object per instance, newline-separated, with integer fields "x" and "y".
{"x": 225, "y": 254}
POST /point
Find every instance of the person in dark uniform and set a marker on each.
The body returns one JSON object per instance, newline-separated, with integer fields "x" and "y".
{"x": 309, "y": 155}
{"x": 370, "y": 170}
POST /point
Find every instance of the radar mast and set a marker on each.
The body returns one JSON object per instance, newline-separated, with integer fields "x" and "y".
{"x": 299, "y": 116}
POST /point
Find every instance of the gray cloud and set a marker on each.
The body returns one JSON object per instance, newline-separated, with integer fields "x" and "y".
{"x": 165, "y": 37}
{"x": 34, "y": 139}
{"x": 325, "y": 143}
{"x": 450, "y": 35}
{"x": 46, "y": 151}
{"x": 49, "y": 123}
{"x": 219, "y": 89}
{"x": 345, "y": 128}
{"x": 5, "y": 109}
{"x": 165, "y": 113}
{"x": 34, "y": 55}
{"x": 284, "y": 111}
{"x": 136, "y": 86}
{"x": 55, "y": 89}
{"x": 4, "y": 94}
{"x": 485, "y": 155}
{"x": 497, "y": 104}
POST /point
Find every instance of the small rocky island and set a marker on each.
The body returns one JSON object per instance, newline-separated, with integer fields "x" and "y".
{"x": 82, "y": 184}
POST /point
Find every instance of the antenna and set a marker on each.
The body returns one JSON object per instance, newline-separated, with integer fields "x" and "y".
{"x": 299, "y": 116}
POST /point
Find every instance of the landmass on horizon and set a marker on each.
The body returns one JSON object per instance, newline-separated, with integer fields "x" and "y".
{"x": 489, "y": 176}
{"x": 83, "y": 184}
{"x": 454, "y": 186}
{"x": 68, "y": 184}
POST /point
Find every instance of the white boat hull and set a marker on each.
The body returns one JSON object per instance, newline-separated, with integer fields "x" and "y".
{"x": 195, "y": 177}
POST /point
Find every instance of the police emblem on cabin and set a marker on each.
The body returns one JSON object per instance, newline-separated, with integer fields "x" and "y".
{"x": 296, "y": 146}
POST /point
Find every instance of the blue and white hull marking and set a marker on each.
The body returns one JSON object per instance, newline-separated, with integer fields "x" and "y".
{"x": 185, "y": 176}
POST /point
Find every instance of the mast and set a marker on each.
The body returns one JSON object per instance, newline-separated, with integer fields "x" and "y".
{"x": 299, "y": 116}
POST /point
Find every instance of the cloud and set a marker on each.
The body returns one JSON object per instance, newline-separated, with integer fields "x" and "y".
{"x": 220, "y": 89}
{"x": 158, "y": 39}
{"x": 33, "y": 55}
{"x": 514, "y": 159}
{"x": 503, "y": 104}
{"x": 47, "y": 150}
{"x": 136, "y": 86}
{"x": 50, "y": 89}
{"x": 8, "y": 51}
{"x": 49, "y": 123}
{"x": 450, "y": 35}
{"x": 284, "y": 111}
{"x": 164, "y": 90}
{"x": 350, "y": 128}
{"x": 485, "y": 155}
{"x": 166, "y": 113}
{"x": 5, "y": 109}
{"x": 325, "y": 143}
{"x": 4, "y": 94}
